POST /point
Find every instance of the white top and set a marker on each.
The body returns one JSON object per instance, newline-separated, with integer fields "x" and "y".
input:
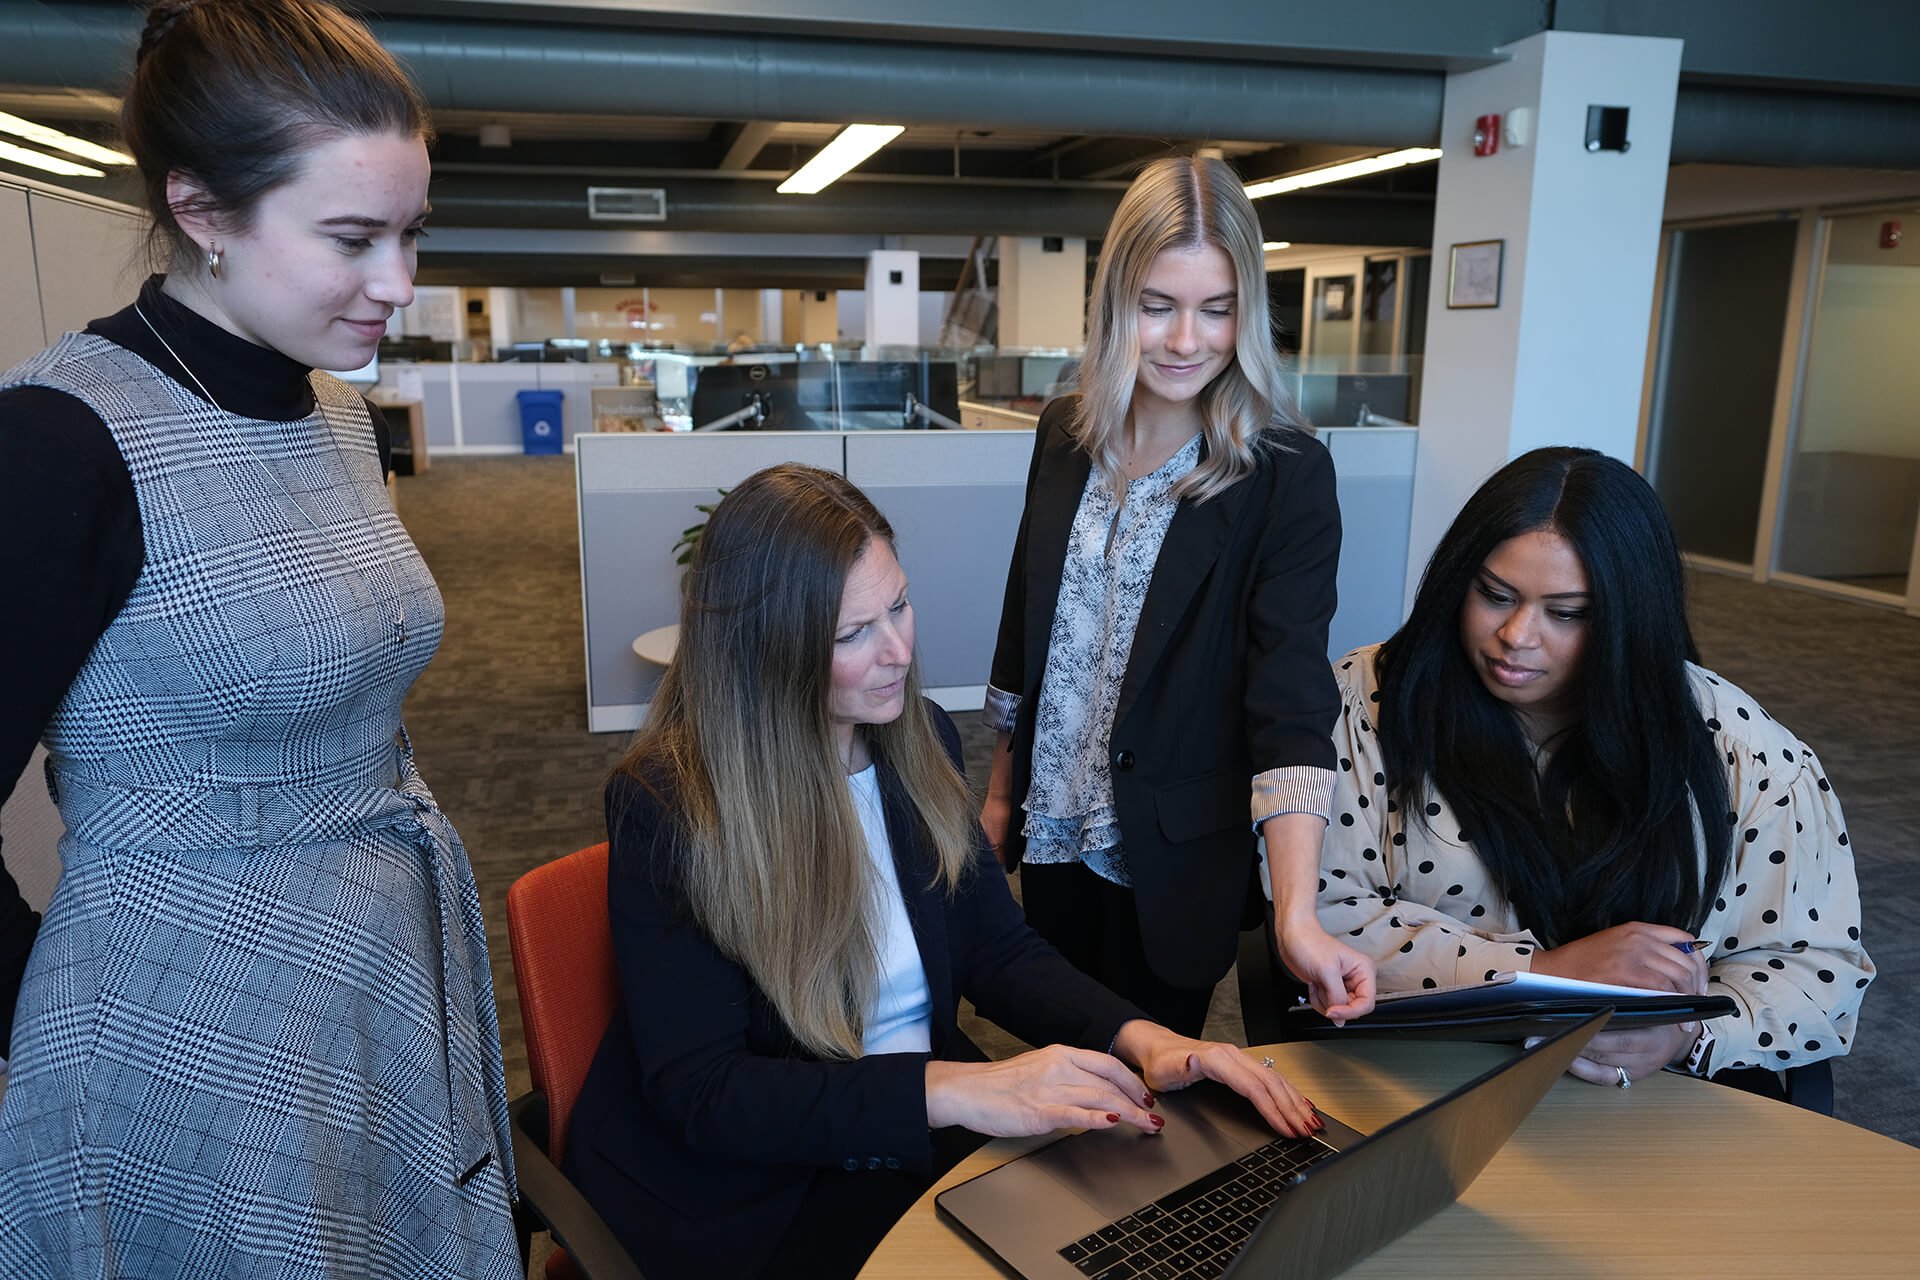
{"x": 900, "y": 1019}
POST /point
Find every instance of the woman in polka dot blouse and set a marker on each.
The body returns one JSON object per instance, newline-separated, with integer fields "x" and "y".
{"x": 1535, "y": 774}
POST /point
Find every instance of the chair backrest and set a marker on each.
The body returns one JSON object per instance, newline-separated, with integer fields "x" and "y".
{"x": 568, "y": 981}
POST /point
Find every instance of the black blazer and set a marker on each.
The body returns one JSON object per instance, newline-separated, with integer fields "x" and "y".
{"x": 703, "y": 1122}
{"x": 1228, "y": 678}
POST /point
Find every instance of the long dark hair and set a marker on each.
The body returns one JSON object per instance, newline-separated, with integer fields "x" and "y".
{"x": 1606, "y": 834}
{"x": 234, "y": 93}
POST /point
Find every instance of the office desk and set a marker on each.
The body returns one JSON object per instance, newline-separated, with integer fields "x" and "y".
{"x": 1674, "y": 1177}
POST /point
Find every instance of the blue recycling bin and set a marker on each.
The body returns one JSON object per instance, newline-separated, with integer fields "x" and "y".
{"x": 540, "y": 420}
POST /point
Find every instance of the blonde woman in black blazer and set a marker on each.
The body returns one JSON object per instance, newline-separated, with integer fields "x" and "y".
{"x": 1160, "y": 684}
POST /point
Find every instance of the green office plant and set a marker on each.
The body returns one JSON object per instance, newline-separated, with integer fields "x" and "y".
{"x": 690, "y": 536}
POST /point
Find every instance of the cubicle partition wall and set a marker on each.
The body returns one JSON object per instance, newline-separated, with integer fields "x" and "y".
{"x": 470, "y": 408}
{"x": 954, "y": 499}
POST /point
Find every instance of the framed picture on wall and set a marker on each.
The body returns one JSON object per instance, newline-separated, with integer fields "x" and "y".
{"x": 1473, "y": 274}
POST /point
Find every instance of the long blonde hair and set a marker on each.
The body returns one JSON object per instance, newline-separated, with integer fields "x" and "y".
{"x": 773, "y": 861}
{"x": 1183, "y": 202}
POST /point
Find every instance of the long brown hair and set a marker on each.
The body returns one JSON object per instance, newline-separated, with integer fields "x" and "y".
{"x": 1183, "y": 202}
{"x": 773, "y": 862}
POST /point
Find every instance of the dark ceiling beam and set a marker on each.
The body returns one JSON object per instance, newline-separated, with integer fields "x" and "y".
{"x": 743, "y": 142}
{"x": 1104, "y": 159}
{"x": 1850, "y": 46}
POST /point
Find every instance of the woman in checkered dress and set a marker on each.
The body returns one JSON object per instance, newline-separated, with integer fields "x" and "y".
{"x": 256, "y": 1035}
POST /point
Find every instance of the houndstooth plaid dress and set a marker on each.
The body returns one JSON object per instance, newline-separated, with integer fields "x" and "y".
{"x": 257, "y": 1037}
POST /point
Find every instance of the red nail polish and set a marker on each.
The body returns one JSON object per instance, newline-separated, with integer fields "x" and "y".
{"x": 1159, "y": 1122}
{"x": 1112, "y": 1118}
{"x": 1149, "y": 1099}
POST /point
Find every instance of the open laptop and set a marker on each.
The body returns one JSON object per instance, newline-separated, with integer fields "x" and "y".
{"x": 1218, "y": 1192}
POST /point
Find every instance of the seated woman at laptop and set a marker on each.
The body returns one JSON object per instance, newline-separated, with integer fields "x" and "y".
{"x": 1535, "y": 774}
{"x": 800, "y": 895}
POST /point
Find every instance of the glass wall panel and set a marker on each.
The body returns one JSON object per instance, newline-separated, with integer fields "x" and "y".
{"x": 1853, "y": 481}
{"x": 1725, "y": 308}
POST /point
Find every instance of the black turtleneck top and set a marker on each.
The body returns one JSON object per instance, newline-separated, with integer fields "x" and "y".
{"x": 70, "y": 541}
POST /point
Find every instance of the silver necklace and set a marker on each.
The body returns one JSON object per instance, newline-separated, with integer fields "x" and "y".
{"x": 389, "y": 601}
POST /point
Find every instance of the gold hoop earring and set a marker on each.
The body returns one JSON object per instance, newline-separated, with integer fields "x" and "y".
{"x": 213, "y": 263}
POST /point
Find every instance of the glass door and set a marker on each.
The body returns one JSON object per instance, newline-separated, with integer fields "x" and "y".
{"x": 1851, "y": 498}
{"x": 1723, "y": 314}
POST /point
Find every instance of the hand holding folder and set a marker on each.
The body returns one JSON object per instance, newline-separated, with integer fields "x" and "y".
{"x": 1508, "y": 1007}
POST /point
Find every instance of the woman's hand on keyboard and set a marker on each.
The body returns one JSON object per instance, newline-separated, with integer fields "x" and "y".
{"x": 1038, "y": 1092}
{"x": 1170, "y": 1061}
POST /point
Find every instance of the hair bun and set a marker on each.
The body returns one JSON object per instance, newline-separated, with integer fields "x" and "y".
{"x": 160, "y": 20}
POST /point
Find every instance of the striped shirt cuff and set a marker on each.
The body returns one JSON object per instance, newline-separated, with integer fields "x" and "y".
{"x": 1298, "y": 788}
{"x": 1003, "y": 709}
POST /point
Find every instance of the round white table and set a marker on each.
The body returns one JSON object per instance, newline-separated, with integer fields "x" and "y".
{"x": 657, "y": 645}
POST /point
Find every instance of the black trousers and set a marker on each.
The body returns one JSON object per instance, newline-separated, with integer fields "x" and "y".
{"x": 1095, "y": 925}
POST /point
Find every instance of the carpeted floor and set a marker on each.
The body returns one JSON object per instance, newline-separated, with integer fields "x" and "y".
{"x": 499, "y": 722}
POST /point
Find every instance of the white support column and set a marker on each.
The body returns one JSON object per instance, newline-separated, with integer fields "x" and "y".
{"x": 893, "y": 298}
{"x": 1043, "y": 291}
{"x": 1561, "y": 358}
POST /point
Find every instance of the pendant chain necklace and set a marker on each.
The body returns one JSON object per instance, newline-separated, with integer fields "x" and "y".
{"x": 392, "y": 604}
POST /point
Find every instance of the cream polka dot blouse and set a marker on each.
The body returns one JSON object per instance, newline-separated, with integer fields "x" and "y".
{"x": 1410, "y": 891}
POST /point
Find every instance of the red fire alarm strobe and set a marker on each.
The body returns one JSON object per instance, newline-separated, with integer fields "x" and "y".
{"x": 1486, "y": 135}
{"x": 1889, "y": 235}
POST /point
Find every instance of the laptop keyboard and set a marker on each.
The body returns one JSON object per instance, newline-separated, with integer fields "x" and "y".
{"x": 1197, "y": 1230}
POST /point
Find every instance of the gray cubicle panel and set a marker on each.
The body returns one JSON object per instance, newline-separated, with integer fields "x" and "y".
{"x": 637, "y": 492}
{"x": 91, "y": 260}
{"x": 20, "y": 331}
{"x": 1375, "y": 486}
{"x": 954, "y": 500}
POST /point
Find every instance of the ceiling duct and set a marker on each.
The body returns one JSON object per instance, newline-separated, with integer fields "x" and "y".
{"x": 474, "y": 64}
{"x": 884, "y": 208}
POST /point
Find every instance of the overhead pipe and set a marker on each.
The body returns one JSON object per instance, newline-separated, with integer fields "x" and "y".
{"x": 1719, "y": 125}
{"x": 883, "y": 208}
{"x": 478, "y": 65}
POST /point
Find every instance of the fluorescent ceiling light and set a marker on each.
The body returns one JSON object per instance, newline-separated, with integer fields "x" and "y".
{"x": 853, "y": 144}
{"x": 1342, "y": 172}
{"x": 51, "y": 164}
{"x": 1274, "y": 246}
{"x": 42, "y": 136}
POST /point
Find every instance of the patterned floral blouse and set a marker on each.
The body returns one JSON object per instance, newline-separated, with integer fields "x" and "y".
{"x": 1785, "y": 925}
{"x": 1111, "y": 551}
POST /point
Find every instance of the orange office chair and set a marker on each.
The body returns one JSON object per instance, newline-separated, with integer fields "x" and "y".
{"x": 569, "y": 989}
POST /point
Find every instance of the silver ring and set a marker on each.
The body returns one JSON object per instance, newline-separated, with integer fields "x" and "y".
{"x": 1626, "y": 1081}
{"x": 1267, "y": 1063}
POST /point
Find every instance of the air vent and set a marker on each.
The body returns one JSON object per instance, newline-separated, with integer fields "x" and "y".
{"x": 617, "y": 279}
{"x": 627, "y": 204}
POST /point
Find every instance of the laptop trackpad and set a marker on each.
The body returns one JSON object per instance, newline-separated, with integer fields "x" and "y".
{"x": 1118, "y": 1170}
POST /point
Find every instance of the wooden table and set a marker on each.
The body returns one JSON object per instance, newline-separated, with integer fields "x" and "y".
{"x": 1674, "y": 1178}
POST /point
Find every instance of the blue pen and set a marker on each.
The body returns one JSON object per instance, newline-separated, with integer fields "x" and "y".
{"x": 1696, "y": 944}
